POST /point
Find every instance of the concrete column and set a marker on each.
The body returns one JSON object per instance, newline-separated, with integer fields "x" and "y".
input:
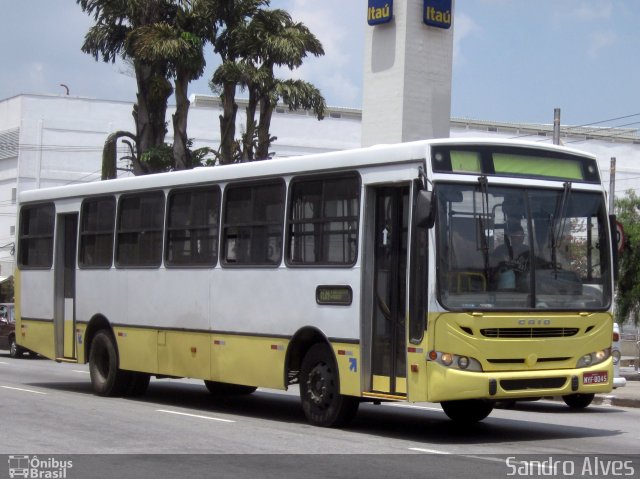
{"x": 407, "y": 78}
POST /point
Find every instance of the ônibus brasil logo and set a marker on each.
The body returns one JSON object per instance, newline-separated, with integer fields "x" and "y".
{"x": 33, "y": 467}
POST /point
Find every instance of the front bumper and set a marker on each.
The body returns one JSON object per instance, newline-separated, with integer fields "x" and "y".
{"x": 446, "y": 384}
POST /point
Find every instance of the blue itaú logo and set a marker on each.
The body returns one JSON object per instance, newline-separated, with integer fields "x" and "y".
{"x": 437, "y": 13}
{"x": 379, "y": 11}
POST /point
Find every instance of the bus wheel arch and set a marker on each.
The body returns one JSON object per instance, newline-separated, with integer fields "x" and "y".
{"x": 300, "y": 344}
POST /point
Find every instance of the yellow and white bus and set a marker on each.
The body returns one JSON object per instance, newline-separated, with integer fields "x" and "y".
{"x": 379, "y": 274}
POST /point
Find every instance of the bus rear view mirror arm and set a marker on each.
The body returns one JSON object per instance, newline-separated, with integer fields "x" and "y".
{"x": 425, "y": 216}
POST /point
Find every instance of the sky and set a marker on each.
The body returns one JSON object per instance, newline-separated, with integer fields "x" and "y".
{"x": 514, "y": 60}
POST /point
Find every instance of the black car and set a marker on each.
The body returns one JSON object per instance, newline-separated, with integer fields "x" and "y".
{"x": 8, "y": 330}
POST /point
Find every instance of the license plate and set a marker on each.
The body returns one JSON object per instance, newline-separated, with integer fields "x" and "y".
{"x": 595, "y": 377}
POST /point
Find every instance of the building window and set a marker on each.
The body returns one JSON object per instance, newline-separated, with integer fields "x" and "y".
{"x": 140, "y": 223}
{"x": 36, "y": 236}
{"x": 323, "y": 221}
{"x": 252, "y": 231}
{"x": 98, "y": 218}
{"x": 192, "y": 227}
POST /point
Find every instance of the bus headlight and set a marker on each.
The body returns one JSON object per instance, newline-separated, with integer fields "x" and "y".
{"x": 455, "y": 361}
{"x": 446, "y": 359}
{"x": 594, "y": 358}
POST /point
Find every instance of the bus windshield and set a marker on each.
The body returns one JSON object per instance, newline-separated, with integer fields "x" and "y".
{"x": 522, "y": 248}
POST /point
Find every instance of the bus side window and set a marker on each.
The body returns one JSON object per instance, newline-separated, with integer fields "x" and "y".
{"x": 192, "y": 227}
{"x": 140, "y": 225}
{"x": 323, "y": 220}
{"x": 252, "y": 224}
{"x": 36, "y": 236}
{"x": 98, "y": 218}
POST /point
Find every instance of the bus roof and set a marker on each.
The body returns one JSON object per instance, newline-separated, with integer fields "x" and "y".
{"x": 331, "y": 161}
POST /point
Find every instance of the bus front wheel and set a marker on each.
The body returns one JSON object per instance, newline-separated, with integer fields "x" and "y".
{"x": 322, "y": 403}
{"x": 467, "y": 410}
{"x": 106, "y": 377}
{"x": 578, "y": 401}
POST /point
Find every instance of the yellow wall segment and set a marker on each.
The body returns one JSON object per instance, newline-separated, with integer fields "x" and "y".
{"x": 137, "y": 348}
{"x": 252, "y": 361}
{"x": 184, "y": 354}
{"x": 349, "y": 363}
{"x": 36, "y": 336}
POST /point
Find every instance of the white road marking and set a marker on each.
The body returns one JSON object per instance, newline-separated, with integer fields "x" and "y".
{"x": 430, "y": 451}
{"x": 23, "y": 390}
{"x": 2, "y": 362}
{"x": 81, "y": 372}
{"x": 194, "y": 415}
{"x": 411, "y": 406}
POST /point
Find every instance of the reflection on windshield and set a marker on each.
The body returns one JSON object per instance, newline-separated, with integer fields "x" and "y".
{"x": 508, "y": 248}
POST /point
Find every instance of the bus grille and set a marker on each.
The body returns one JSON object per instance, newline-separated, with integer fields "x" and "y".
{"x": 538, "y": 383}
{"x": 529, "y": 332}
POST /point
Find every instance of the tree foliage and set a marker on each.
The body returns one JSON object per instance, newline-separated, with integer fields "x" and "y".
{"x": 252, "y": 45}
{"x": 165, "y": 41}
{"x": 628, "y": 285}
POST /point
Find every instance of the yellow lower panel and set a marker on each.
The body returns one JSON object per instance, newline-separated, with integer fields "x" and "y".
{"x": 36, "y": 336}
{"x": 252, "y": 361}
{"x": 381, "y": 383}
{"x": 445, "y": 384}
{"x": 184, "y": 354}
{"x": 138, "y": 349}
{"x": 348, "y": 357}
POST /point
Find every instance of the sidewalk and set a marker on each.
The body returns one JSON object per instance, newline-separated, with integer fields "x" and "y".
{"x": 627, "y": 396}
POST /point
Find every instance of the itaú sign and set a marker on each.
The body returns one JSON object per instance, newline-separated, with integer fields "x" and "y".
{"x": 379, "y": 11}
{"x": 437, "y": 13}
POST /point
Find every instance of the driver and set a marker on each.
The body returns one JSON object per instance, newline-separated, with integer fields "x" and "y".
{"x": 513, "y": 247}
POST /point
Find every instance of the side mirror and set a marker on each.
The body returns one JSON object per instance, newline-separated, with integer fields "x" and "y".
{"x": 425, "y": 216}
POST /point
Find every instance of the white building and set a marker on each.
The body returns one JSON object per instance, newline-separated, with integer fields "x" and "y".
{"x": 51, "y": 140}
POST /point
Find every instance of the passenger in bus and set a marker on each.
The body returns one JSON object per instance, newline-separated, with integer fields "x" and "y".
{"x": 511, "y": 257}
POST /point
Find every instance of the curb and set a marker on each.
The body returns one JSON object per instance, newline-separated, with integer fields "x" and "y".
{"x": 612, "y": 400}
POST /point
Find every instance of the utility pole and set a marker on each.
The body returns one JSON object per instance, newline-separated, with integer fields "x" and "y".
{"x": 556, "y": 126}
{"x": 612, "y": 185}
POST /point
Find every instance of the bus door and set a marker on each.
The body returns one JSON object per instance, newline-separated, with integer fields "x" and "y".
{"x": 388, "y": 347}
{"x": 65, "y": 285}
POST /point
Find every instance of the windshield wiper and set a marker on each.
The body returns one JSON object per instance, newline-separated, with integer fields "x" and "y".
{"x": 557, "y": 227}
{"x": 484, "y": 242}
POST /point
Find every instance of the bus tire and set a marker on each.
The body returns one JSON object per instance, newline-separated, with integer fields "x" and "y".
{"x": 578, "y": 401}
{"x": 107, "y": 378}
{"x": 467, "y": 410}
{"x": 322, "y": 403}
{"x": 226, "y": 389}
{"x": 15, "y": 351}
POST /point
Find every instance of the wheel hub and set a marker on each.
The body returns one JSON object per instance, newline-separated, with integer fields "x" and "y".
{"x": 317, "y": 384}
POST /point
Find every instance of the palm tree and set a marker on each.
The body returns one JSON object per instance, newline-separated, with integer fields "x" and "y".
{"x": 180, "y": 44}
{"x": 109, "y": 39}
{"x": 266, "y": 40}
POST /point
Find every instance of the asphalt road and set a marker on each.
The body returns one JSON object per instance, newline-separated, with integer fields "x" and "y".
{"x": 49, "y": 410}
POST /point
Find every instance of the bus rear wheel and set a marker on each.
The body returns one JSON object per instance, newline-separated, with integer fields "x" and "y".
{"x": 322, "y": 403}
{"x": 467, "y": 410}
{"x": 578, "y": 401}
{"x": 107, "y": 378}
{"x": 225, "y": 389}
